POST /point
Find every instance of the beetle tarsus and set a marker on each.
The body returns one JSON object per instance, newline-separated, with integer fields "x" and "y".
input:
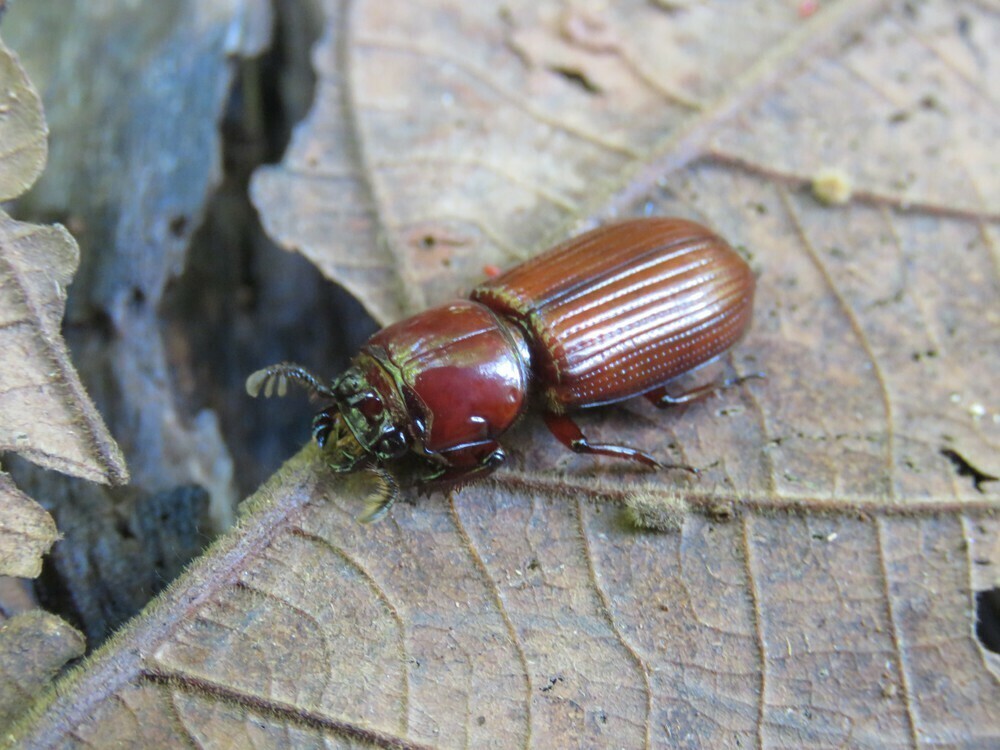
{"x": 381, "y": 500}
{"x": 662, "y": 399}
{"x": 568, "y": 432}
{"x": 275, "y": 379}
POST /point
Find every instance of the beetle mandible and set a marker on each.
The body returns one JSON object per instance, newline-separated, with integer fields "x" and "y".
{"x": 614, "y": 313}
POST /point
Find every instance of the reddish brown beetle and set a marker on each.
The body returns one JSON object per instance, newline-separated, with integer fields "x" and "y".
{"x": 614, "y": 313}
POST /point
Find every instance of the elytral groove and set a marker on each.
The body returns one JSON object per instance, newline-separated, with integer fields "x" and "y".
{"x": 690, "y": 139}
{"x": 906, "y": 691}
{"x": 276, "y": 710}
{"x": 609, "y": 616}
{"x": 498, "y": 601}
{"x": 381, "y": 595}
{"x": 758, "y": 625}
{"x": 707, "y": 500}
{"x": 862, "y": 337}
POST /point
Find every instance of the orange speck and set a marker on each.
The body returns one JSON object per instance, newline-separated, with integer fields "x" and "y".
{"x": 491, "y": 270}
{"x": 807, "y": 8}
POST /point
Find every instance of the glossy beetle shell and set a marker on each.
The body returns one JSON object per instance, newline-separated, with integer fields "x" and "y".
{"x": 460, "y": 372}
{"x": 614, "y": 313}
{"x": 625, "y": 308}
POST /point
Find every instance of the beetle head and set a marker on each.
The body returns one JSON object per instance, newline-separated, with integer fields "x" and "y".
{"x": 367, "y": 407}
{"x": 344, "y": 452}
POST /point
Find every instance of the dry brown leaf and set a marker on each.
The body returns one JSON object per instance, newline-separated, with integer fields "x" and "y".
{"x": 23, "y": 133}
{"x": 34, "y": 646}
{"x": 139, "y": 89}
{"x": 26, "y": 532}
{"x": 45, "y": 414}
{"x": 833, "y": 608}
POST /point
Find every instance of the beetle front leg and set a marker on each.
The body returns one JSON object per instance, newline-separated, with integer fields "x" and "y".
{"x": 382, "y": 498}
{"x": 661, "y": 399}
{"x": 569, "y": 434}
{"x": 463, "y": 465}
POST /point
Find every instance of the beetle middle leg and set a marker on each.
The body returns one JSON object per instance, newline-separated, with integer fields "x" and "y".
{"x": 569, "y": 434}
{"x": 661, "y": 399}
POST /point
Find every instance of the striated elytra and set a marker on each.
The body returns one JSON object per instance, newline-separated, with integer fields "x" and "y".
{"x": 614, "y": 313}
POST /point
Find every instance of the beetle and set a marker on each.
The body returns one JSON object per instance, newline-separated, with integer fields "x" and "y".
{"x": 613, "y": 313}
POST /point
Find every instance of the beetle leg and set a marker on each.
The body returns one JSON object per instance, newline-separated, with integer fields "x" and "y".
{"x": 661, "y": 399}
{"x": 382, "y": 498}
{"x": 487, "y": 458}
{"x": 276, "y": 378}
{"x": 569, "y": 434}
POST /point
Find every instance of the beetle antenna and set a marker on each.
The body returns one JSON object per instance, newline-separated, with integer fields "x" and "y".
{"x": 381, "y": 500}
{"x": 276, "y": 378}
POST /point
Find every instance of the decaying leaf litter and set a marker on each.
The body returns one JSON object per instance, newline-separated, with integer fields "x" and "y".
{"x": 699, "y": 630}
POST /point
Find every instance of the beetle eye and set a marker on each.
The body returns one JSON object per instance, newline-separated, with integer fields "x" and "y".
{"x": 392, "y": 444}
{"x": 349, "y": 384}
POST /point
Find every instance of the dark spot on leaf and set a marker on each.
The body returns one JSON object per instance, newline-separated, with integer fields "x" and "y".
{"x": 428, "y": 241}
{"x": 551, "y": 684}
{"x": 965, "y": 469}
{"x": 122, "y": 527}
{"x": 178, "y": 224}
{"x": 577, "y": 78}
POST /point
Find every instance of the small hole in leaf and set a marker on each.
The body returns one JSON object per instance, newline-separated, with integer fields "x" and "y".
{"x": 965, "y": 469}
{"x": 988, "y": 619}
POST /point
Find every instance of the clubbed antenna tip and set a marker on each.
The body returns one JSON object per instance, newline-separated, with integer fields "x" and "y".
{"x": 275, "y": 379}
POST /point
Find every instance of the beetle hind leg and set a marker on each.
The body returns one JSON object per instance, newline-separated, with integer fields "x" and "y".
{"x": 661, "y": 399}
{"x": 569, "y": 434}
